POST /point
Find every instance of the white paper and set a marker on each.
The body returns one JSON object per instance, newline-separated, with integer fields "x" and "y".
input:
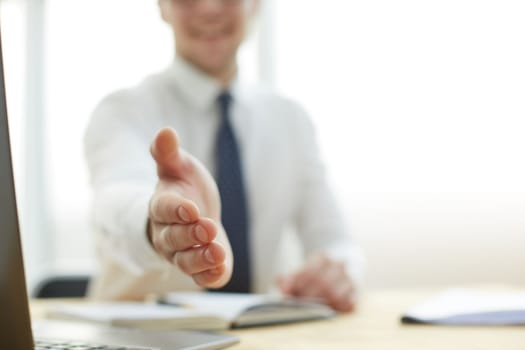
{"x": 461, "y": 306}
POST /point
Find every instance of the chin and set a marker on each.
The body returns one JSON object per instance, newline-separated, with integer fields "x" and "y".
{"x": 214, "y": 67}
{"x": 213, "y": 61}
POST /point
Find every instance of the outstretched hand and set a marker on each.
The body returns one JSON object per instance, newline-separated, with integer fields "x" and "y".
{"x": 185, "y": 215}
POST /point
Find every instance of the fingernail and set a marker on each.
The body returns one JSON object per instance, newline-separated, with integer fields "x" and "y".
{"x": 184, "y": 214}
{"x": 209, "y": 256}
{"x": 201, "y": 234}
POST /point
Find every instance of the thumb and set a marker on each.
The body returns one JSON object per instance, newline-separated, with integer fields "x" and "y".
{"x": 165, "y": 151}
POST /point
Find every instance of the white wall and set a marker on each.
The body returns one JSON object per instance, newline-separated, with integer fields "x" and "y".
{"x": 438, "y": 239}
{"x": 420, "y": 112}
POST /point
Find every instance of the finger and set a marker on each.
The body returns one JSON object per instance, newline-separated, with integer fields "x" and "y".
{"x": 170, "y": 208}
{"x": 166, "y": 153}
{"x": 177, "y": 237}
{"x": 212, "y": 278}
{"x": 323, "y": 281}
{"x": 200, "y": 259}
{"x": 335, "y": 287}
{"x": 307, "y": 276}
{"x": 334, "y": 284}
{"x": 343, "y": 298}
{"x": 285, "y": 284}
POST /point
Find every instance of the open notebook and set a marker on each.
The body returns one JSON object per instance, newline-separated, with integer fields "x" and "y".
{"x": 469, "y": 307}
{"x": 205, "y": 311}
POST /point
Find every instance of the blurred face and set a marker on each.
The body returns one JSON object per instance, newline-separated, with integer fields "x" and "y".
{"x": 208, "y": 32}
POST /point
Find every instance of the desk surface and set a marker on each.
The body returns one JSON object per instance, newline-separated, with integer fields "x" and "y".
{"x": 374, "y": 325}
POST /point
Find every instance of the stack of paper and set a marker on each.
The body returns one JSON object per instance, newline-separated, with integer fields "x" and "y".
{"x": 467, "y": 307}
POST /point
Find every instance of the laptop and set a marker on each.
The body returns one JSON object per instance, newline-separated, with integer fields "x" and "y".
{"x": 16, "y": 331}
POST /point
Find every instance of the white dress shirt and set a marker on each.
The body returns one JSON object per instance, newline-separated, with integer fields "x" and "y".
{"x": 284, "y": 176}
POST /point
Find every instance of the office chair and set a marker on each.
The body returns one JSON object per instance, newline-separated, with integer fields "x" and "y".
{"x": 74, "y": 286}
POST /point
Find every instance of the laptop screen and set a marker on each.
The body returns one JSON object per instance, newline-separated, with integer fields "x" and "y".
{"x": 15, "y": 328}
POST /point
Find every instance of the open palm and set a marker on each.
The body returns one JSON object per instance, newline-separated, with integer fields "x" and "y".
{"x": 185, "y": 225}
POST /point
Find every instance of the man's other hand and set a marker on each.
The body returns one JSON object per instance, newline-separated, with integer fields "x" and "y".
{"x": 321, "y": 278}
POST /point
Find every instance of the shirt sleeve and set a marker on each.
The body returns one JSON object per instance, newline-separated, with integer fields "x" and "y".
{"x": 123, "y": 178}
{"x": 321, "y": 224}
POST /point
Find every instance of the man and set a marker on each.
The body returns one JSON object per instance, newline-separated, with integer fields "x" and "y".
{"x": 170, "y": 229}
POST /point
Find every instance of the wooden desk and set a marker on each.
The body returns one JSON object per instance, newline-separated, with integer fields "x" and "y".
{"x": 375, "y": 325}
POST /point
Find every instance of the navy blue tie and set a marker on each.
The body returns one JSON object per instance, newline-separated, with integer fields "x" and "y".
{"x": 233, "y": 198}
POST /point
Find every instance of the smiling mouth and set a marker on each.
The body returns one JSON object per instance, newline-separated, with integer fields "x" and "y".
{"x": 211, "y": 37}
{"x": 212, "y": 34}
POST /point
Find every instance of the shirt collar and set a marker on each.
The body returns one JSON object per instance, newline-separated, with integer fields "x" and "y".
{"x": 198, "y": 88}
